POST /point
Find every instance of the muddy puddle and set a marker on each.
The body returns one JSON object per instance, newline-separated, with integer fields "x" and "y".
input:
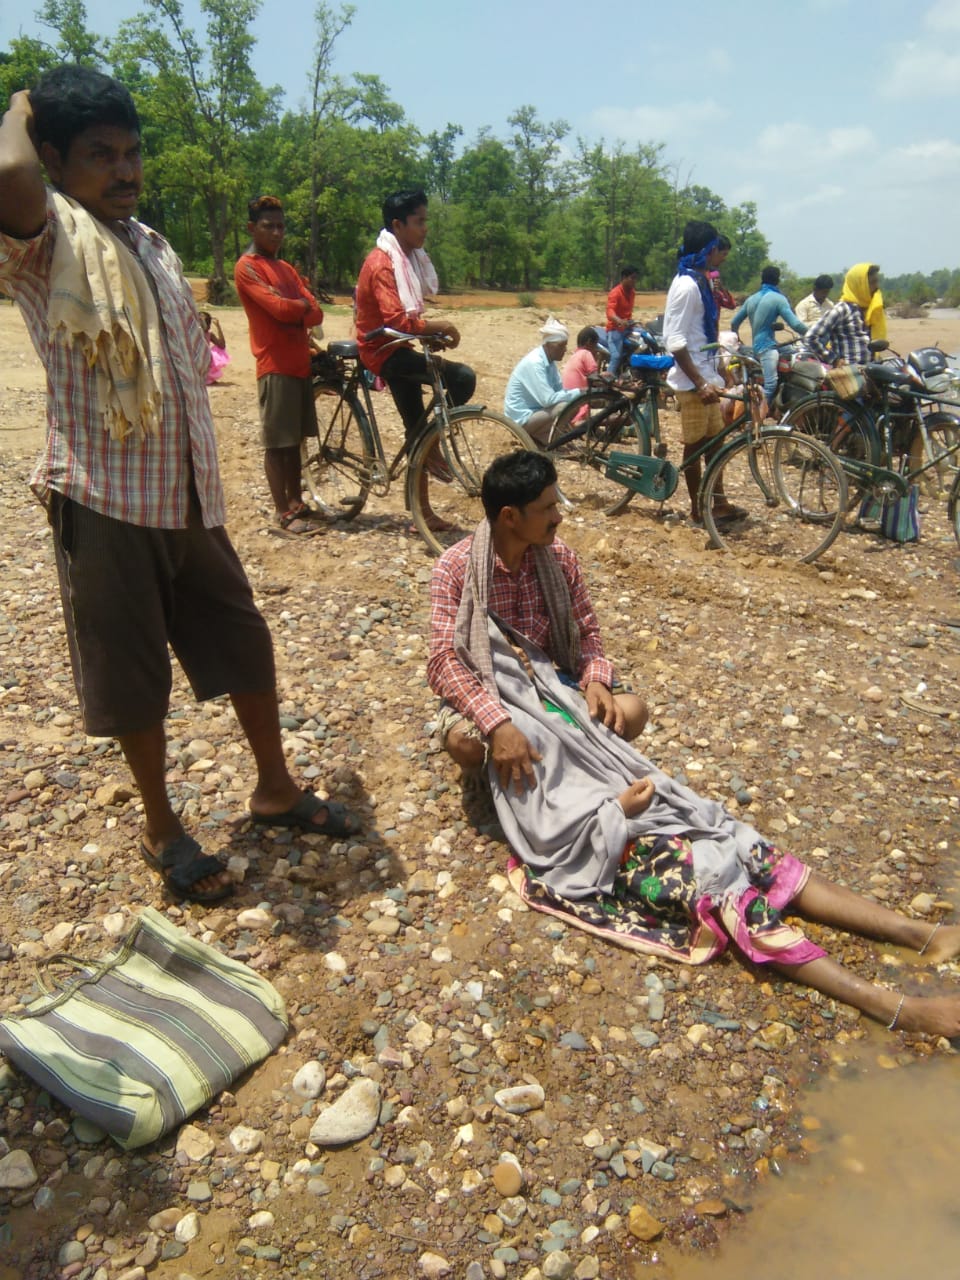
{"x": 881, "y": 1197}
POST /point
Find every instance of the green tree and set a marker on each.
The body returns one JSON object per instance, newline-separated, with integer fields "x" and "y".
{"x": 541, "y": 181}
{"x": 76, "y": 43}
{"x": 206, "y": 100}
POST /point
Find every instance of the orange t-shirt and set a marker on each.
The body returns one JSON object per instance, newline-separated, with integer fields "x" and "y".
{"x": 273, "y": 294}
{"x": 619, "y": 306}
{"x": 378, "y": 303}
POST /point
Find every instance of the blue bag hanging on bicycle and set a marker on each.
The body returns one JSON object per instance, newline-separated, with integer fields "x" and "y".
{"x": 898, "y": 517}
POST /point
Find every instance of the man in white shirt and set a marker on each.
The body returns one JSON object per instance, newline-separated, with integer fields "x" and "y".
{"x": 535, "y": 394}
{"x": 816, "y": 304}
{"x": 690, "y": 323}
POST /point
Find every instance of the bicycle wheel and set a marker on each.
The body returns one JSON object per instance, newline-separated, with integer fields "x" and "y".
{"x": 337, "y": 463}
{"x": 613, "y": 423}
{"x": 444, "y": 474}
{"x": 845, "y": 427}
{"x": 933, "y": 443}
{"x": 791, "y": 489}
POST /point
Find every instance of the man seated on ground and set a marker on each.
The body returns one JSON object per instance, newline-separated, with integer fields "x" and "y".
{"x": 535, "y": 395}
{"x": 604, "y": 839}
{"x": 280, "y": 311}
{"x": 534, "y": 584}
{"x": 763, "y": 309}
{"x": 817, "y": 303}
{"x": 129, "y": 473}
{"x": 690, "y": 332}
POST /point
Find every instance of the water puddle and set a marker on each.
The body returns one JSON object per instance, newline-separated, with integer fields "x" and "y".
{"x": 879, "y": 1199}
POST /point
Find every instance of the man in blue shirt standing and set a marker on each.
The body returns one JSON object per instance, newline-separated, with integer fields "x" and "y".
{"x": 763, "y": 309}
{"x": 535, "y": 394}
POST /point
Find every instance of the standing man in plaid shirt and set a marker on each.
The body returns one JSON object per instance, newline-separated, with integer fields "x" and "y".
{"x": 129, "y": 474}
{"x": 521, "y": 503}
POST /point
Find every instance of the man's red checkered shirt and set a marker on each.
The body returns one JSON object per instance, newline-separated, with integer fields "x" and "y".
{"x": 518, "y": 600}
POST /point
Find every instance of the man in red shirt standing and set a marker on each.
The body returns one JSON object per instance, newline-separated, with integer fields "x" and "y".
{"x": 390, "y": 292}
{"x": 620, "y": 316}
{"x": 280, "y": 312}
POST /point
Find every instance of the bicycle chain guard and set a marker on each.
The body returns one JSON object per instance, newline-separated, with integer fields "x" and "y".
{"x": 654, "y": 478}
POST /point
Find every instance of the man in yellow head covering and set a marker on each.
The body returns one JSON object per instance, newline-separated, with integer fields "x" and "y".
{"x": 844, "y": 334}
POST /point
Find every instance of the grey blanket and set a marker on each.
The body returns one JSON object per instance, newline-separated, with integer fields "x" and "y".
{"x": 570, "y": 828}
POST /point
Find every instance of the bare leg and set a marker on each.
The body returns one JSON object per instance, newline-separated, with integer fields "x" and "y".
{"x": 282, "y": 469}
{"x": 146, "y": 754}
{"x": 276, "y": 791}
{"x": 934, "y": 1015}
{"x": 829, "y": 903}
{"x": 691, "y": 474}
{"x": 434, "y": 522}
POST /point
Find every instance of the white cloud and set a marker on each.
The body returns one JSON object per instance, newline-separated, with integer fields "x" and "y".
{"x": 801, "y": 147}
{"x": 943, "y": 16}
{"x": 681, "y": 120}
{"x": 920, "y": 69}
{"x": 935, "y": 156}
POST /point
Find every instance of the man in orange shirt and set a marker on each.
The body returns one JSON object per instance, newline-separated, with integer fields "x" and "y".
{"x": 280, "y": 312}
{"x": 620, "y": 316}
{"x": 390, "y": 291}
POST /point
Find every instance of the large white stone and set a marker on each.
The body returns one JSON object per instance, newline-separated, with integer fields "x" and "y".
{"x": 351, "y": 1117}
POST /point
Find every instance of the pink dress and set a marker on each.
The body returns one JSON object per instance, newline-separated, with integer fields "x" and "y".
{"x": 575, "y": 372}
{"x": 219, "y": 359}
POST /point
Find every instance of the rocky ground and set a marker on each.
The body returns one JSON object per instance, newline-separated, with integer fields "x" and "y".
{"x": 821, "y": 700}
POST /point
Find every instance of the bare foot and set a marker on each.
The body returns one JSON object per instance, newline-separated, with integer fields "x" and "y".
{"x": 637, "y": 797}
{"x": 933, "y": 1015}
{"x": 944, "y": 945}
{"x": 436, "y": 524}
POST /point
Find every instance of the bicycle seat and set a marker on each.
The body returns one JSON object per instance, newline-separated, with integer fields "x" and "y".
{"x": 886, "y": 372}
{"x": 343, "y": 350}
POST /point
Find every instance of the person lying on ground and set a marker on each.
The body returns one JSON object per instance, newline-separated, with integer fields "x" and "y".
{"x": 129, "y": 474}
{"x": 535, "y": 584}
{"x": 535, "y": 395}
{"x": 611, "y": 844}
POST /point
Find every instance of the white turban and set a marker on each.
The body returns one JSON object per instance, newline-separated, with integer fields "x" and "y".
{"x": 553, "y": 331}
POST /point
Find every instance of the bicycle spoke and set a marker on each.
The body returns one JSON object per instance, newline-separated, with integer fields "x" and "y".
{"x": 337, "y": 463}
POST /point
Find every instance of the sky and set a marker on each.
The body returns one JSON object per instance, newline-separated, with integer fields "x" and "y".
{"x": 839, "y": 120}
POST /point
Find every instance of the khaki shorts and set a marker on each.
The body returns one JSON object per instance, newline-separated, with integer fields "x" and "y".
{"x": 287, "y": 411}
{"x": 698, "y": 421}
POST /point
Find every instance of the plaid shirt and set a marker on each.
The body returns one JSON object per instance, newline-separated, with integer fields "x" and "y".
{"x": 141, "y": 480}
{"x": 841, "y": 334}
{"x": 518, "y": 600}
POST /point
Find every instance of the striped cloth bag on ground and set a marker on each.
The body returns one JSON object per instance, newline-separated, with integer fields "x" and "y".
{"x": 137, "y": 1042}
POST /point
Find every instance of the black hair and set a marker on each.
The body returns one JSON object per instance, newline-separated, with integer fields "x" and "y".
{"x": 697, "y": 235}
{"x": 401, "y": 204}
{"x": 587, "y": 336}
{"x": 514, "y": 480}
{"x": 770, "y": 275}
{"x": 823, "y": 282}
{"x": 71, "y": 98}
{"x": 723, "y": 242}
{"x": 629, "y": 271}
{"x": 260, "y": 205}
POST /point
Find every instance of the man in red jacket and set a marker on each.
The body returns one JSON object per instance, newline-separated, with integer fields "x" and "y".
{"x": 280, "y": 312}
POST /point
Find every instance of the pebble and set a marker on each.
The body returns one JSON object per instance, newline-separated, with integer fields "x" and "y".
{"x": 17, "y": 1171}
{"x": 434, "y": 1265}
{"x": 518, "y": 1099}
{"x": 245, "y": 1140}
{"x": 507, "y": 1177}
{"x": 310, "y": 1080}
{"x": 196, "y": 1144}
{"x": 187, "y": 1229}
{"x": 351, "y": 1117}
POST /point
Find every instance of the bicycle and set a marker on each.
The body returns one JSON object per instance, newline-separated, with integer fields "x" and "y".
{"x": 448, "y": 455}
{"x": 899, "y": 434}
{"x": 789, "y": 487}
{"x": 899, "y": 419}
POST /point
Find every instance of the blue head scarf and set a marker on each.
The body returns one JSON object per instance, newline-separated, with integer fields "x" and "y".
{"x": 699, "y": 241}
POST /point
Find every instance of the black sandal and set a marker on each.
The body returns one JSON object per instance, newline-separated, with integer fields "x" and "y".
{"x": 182, "y": 865}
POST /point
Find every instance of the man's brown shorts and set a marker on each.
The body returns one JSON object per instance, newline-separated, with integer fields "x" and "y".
{"x": 287, "y": 411}
{"x": 698, "y": 421}
{"x": 129, "y": 592}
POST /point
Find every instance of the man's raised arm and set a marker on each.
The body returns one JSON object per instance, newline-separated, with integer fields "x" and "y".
{"x": 23, "y": 196}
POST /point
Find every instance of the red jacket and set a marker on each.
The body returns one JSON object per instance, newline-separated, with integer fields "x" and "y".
{"x": 273, "y": 294}
{"x": 378, "y": 303}
{"x": 619, "y": 306}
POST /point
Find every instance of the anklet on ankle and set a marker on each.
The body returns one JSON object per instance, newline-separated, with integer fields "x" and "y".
{"x": 892, "y": 1024}
{"x": 930, "y": 939}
